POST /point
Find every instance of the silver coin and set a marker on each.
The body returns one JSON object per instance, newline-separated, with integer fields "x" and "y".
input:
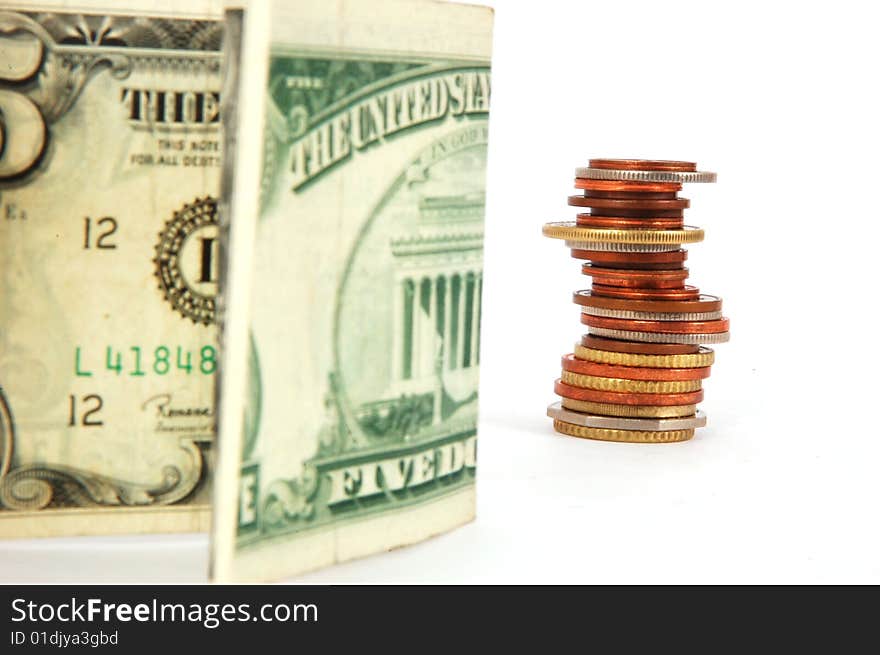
{"x": 622, "y": 247}
{"x": 651, "y": 316}
{"x": 661, "y": 337}
{"x": 558, "y": 412}
{"x": 644, "y": 176}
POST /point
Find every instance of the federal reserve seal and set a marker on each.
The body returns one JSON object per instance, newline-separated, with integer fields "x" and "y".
{"x": 187, "y": 260}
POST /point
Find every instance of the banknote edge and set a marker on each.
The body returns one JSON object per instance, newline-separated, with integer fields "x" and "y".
{"x": 310, "y": 27}
{"x": 80, "y": 522}
{"x": 395, "y": 531}
{"x": 239, "y": 193}
{"x": 204, "y": 9}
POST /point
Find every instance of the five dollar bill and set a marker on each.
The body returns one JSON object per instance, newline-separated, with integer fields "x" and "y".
{"x": 268, "y": 229}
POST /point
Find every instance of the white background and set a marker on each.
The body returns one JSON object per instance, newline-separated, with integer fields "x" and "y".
{"x": 779, "y": 99}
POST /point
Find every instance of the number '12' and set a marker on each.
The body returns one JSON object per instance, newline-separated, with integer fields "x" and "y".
{"x": 88, "y": 418}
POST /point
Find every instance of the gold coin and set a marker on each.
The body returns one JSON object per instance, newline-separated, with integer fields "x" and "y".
{"x": 571, "y": 231}
{"x": 628, "y": 436}
{"x": 629, "y": 411}
{"x": 622, "y": 385}
{"x": 706, "y": 357}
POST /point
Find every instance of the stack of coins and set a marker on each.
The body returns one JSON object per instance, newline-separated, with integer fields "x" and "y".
{"x": 637, "y": 375}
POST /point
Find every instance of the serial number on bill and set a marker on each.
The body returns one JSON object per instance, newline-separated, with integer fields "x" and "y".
{"x": 139, "y": 361}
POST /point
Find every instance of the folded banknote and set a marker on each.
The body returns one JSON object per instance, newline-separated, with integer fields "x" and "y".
{"x": 352, "y": 233}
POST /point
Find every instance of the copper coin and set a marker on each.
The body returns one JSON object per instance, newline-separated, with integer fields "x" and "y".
{"x": 704, "y": 303}
{"x": 687, "y": 292}
{"x": 650, "y": 266}
{"x": 621, "y": 223}
{"x": 630, "y": 195}
{"x": 617, "y": 398}
{"x": 647, "y": 283}
{"x": 571, "y": 363}
{"x": 636, "y": 203}
{"x": 637, "y": 347}
{"x": 669, "y": 327}
{"x": 624, "y": 277}
{"x": 641, "y": 260}
{"x": 644, "y": 165}
{"x": 618, "y": 185}
{"x": 624, "y": 212}
{"x": 637, "y": 213}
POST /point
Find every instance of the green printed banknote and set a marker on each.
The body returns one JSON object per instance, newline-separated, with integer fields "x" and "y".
{"x": 110, "y": 162}
{"x": 352, "y": 236}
